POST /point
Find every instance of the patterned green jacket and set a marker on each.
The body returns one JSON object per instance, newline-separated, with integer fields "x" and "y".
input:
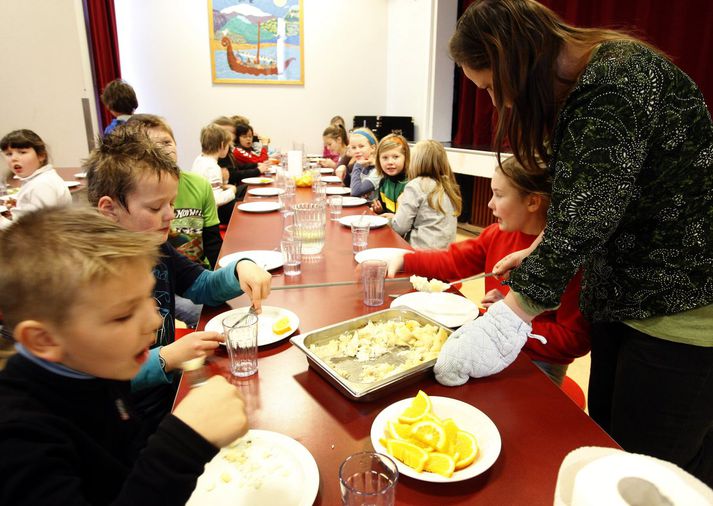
{"x": 632, "y": 197}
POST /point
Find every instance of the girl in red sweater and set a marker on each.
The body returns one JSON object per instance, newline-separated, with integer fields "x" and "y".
{"x": 520, "y": 201}
{"x": 243, "y": 152}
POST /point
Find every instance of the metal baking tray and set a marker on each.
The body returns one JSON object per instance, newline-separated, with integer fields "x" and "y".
{"x": 373, "y": 390}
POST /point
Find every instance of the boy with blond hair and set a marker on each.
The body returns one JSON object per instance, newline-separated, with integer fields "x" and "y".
{"x": 215, "y": 143}
{"x": 77, "y": 291}
{"x": 133, "y": 182}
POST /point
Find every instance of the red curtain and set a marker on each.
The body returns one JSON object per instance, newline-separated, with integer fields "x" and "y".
{"x": 100, "y": 19}
{"x": 677, "y": 28}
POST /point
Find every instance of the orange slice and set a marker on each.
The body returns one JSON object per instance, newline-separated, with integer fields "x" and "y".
{"x": 440, "y": 463}
{"x": 408, "y": 453}
{"x": 281, "y": 326}
{"x": 420, "y": 406}
{"x": 466, "y": 448}
{"x": 431, "y": 433}
{"x": 396, "y": 430}
{"x": 451, "y": 436}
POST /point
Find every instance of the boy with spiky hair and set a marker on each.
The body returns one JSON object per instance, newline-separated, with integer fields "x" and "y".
{"x": 133, "y": 182}
{"x": 77, "y": 291}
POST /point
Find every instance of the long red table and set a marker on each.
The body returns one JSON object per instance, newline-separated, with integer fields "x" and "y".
{"x": 538, "y": 423}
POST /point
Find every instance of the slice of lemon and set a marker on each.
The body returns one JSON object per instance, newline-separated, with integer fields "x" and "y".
{"x": 420, "y": 406}
{"x": 431, "y": 433}
{"x": 440, "y": 463}
{"x": 408, "y": 453}
{"x": 281, "y": 326}
{"x": 451, "y": 436}
{"x": 396, "y": 430}
{"x": 466, "y": 449}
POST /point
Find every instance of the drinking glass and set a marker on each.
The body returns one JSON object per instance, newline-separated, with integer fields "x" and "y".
{"x": 240, "y": 333}
{"x": 286, "y": 200}
{"x": 368, "y": 479}
{"x": 335, "y": 207}
{"x": 373, "y": 273}
{"x": 292, "y": 251}
{"x": 320, "y": 190}
{"x": 360, "y": 236}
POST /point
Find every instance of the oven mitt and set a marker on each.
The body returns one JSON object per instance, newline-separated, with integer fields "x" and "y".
{"x": 482, "y": 347}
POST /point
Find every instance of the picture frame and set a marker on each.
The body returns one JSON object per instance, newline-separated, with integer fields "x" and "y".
{"x": 256, "y": 41}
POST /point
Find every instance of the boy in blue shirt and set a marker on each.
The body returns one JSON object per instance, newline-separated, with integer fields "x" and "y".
{"x": 133, "y": 182}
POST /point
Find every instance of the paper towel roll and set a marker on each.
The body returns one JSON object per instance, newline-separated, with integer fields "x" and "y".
{"x": 600, "y": 483}
{"x": 294, "y": 163}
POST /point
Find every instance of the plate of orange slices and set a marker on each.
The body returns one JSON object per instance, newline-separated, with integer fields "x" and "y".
{"x": 436, "y": 439}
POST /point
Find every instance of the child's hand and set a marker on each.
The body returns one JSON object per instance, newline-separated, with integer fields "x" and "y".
{"x": 377, "y": 207}
{"x": 491, "y": 297}
{"x": 263, "y": 167}
{"x": 216, "y": 411}
{"x": 396, "y": 263}
{"x": 255, "y": 281}
{"x": 340, "y": 172}
{"x": 326, "y": 162}
{"x": 190, "y": 346}
{"x": 225, "y": 174}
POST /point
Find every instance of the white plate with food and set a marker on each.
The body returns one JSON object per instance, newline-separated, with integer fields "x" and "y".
{"x": 262, "y": 467}
{"x": 331, "y": 179}
{"x": 259, "y": 207}
{"x": 337, "y": 190}
{"x": 265, "y": 258}
{"x": 258, "y": 180}
{"x": 266, "y": 192}
{"x": 353, "y": 201}
{"x": 467, "y": 417}
{"x": 363, "y": 219}
{"x": 72, "y": 184}
{"x": 80, "y": 175}
{"x": 266, "y": 321}
{"x": 447, "y": 309}
{"x": 379, "y": 254}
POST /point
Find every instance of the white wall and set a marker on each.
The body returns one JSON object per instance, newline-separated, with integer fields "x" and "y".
{"x": 45, "y": 74}
{"x": 168, "y": 63}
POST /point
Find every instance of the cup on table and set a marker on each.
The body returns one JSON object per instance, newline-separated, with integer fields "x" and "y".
{"x": 360, "y": 236}
{"x": 335, "y": 207}
{"x": 368, "y": 478}
{"x": 310, "y": 235}
{"x": 240, "y": 332}
{"x": 292, "y": 251}
{"x": 290, "y": 184}
{"x": 319, "y": 188}
{"x": 373, "y": 273}
{"x": 286, "y": 201}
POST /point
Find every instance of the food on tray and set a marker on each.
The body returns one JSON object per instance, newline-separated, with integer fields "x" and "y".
{"x": 424, "y": 442}
{"x": 422, "y": 284}
{"x": 281, "y": 326}
{"x": 381, "y": 349}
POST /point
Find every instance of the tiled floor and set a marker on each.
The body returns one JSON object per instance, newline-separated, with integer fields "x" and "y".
{"x": 474, "y": 290}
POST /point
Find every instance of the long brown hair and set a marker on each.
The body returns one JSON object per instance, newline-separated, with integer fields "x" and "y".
{"x": 429, "y": 159}
{"x": 520, "y": 40}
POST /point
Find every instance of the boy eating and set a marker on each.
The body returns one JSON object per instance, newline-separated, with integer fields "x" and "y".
{"x": 77, "y": 291}
{"x": 133, "y": 182}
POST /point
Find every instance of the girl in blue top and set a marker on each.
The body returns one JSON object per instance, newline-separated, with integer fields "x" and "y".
{"x": 365, "y": 180}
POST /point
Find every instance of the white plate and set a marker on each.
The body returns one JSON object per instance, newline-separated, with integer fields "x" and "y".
{"x": 72, "y": 184}
{"x": 258, "y": 180}
{"x": 278, "y": 471}
{"x": 326, "y": 170}
{"x": 337, "y": 190}
{"x": 331, "y": 179}
{"x": 80, "y": 175}
{"x": 379, "y": 254}
{"x": 265, "y": 258}
{"x": 467, "y": 417}
{"x": 366, "y": 219}
{"x": 3, "y": 209}
{"x": 266, "y": 192}
{"x": 353, "y": 201}
{"x": 447, "y": 309}
{"x": 5, "y": 198}
{"x": 265, "y": 321}
{"x": 259, "y": 207}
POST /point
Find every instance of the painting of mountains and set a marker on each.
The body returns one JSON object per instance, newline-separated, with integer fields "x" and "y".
{"x": 256, "y": 41}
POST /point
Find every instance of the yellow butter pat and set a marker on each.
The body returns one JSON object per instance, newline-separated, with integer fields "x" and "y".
{"x": 281, "y": 326}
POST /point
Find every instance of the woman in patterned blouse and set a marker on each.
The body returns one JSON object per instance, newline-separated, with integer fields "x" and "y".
{"x": 629, "y": 143}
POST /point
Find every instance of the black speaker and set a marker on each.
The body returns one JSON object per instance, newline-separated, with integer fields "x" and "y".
{"x": 402, "y": 125}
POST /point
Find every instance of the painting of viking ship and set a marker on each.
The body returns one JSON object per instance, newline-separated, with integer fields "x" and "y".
{"x": 256, "y": 41}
